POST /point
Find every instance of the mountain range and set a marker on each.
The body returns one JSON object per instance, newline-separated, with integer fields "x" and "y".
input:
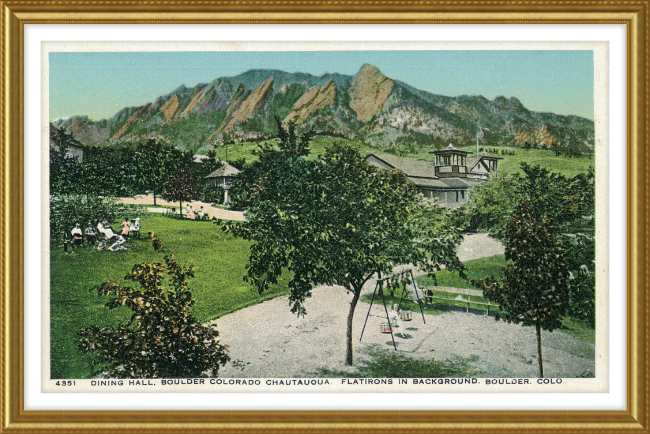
{"x": 368, "y": 106}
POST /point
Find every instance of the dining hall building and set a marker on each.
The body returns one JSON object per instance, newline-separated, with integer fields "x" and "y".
{"x": 449, "y": 178}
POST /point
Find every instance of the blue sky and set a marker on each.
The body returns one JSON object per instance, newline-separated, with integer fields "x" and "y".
{"x": 99, "y": 84}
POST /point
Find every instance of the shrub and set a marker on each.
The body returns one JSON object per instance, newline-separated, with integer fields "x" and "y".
{"x": 162, "y": 339}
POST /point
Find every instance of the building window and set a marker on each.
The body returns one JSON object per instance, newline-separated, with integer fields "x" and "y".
{"x": 456, "y": 196}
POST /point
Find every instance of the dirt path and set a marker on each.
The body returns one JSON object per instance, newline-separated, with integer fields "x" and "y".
{"x": 275, "y": 343}
{"x": 219, "y": 213}
{"x": 475, "y": 246}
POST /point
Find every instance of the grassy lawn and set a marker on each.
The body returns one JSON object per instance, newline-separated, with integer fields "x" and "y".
{"x": 477, "y": 269}
{"x": 546, "y": 158}
{"x": 579, "y": 330}
{"x": 217, "y": 287}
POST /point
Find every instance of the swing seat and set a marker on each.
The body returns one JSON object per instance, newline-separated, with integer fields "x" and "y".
{"x": 385, "y": 327}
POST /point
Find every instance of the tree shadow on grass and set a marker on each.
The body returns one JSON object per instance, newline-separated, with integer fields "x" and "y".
{"x": 384, "y": 364}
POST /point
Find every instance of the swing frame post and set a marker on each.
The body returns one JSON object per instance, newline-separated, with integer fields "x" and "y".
{"x": 390, "y": 326}
{"x": 369, "y": 309}
{"x": 379, "y": 287}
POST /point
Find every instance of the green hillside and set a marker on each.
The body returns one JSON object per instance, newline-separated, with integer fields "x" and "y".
{"x": 568, "y": 166}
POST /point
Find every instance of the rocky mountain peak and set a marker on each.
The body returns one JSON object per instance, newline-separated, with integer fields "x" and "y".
{"x": 368, "y": 68}
{"x": 314, "y": 100}
{"x": 386, "y": 113}
{"x": 370, "y": 92}
{"x": 250, "y": 106}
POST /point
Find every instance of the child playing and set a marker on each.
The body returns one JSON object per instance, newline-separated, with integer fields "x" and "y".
{"x": 126, "y": 227}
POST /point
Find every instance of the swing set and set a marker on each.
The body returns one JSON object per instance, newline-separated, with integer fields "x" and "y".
{"x": 406, "y": 277}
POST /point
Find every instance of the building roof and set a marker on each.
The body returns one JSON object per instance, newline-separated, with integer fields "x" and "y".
{"x": 442, "y": 183}
{"x": 410, "y": 166}
{"x": 487, "y": 155}
{"x": 450, "y": 149}
{"x": 225, "y": 170}
{"x": 422, "y": 173}
{"x": 456, "y": 183}
{"x": 76, "y": 144}
{"x": 428, "y": 182}
{"x": 472, "y": 161}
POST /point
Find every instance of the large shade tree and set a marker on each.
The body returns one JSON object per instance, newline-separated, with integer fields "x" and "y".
{"x": 534, "y": 291}
{"x": 155, "y": 161}
{"x": 182, "y": 186}
{"x": 567, "y": 200}
{"x": 334, "y": 220}
{"x": 103, "y": 171}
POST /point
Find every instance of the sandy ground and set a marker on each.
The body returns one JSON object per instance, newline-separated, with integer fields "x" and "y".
{"x": 275, "y": 343}
{"x": 219, "y": 213}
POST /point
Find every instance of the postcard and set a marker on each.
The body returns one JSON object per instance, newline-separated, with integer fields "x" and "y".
{"x": 325, "y": 217}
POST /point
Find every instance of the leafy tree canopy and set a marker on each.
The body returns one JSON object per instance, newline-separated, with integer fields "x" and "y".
{"x": 65, "y": 170}
{"x": 535, "y": 281}
{"x": 155, "y": 161}
{"x": 109, "y": 171}
{"x": 566, "y": 200}
{"x": 182, "y": 186}
{"x": 335, "y": 220}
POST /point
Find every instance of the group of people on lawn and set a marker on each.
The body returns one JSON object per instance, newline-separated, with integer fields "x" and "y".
{"x": 103, "y": 234}
{"x": 193, "y": 214}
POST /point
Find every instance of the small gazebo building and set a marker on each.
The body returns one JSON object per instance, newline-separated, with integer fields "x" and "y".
{"x": 451, "y": 162}
{"x": 221, "y": 178}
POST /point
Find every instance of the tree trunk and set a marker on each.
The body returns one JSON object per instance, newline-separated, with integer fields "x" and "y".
{"x": 154, "y": 198}
{"x": 353, "y": 305}
{"x": 181, "y": 208}
{"x": 539, "y": 349}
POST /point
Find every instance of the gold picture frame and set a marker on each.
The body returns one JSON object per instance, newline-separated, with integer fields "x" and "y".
{"x": 635, "y": 15}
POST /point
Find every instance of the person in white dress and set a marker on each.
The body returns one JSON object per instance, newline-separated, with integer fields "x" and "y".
{"x": 135, "y": 229}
